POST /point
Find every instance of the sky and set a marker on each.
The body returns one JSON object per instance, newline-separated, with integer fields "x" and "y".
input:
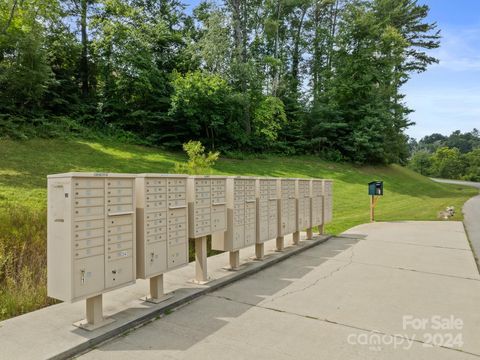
{"x": 446, "y": 97}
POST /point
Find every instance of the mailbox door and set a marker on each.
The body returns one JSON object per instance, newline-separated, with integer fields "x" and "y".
{"x": 88, "y": 276}
{"x": 120, "y": 228}
{"x": 155, "y": 258}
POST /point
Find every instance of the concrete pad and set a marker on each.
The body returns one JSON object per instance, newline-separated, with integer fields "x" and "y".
{"x": 343, "y": 299}
{"x": 379, "y": 291}
{"x": 377, "y": 299}
{"x": 278, "y": 279}
{"x": 437, "y": 260}
{"x": 471, "y": 213}
{"x": 247, "y": 332}
{"x": 448, "y": 234}
{"x": 50, "y": 333}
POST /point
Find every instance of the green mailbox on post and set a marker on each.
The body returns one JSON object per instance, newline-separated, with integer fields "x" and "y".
{"x": 375, "y": 188}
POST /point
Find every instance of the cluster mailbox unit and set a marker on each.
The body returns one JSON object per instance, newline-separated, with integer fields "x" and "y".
{"x": 267, "y": 213}
{"x": 302, "y": 194}
{"x": 328, "y": 200}
{"x": 162, "y": 217}
{"x": 105, "y": 230}
{"x": 241, "y": 218}
{"x": 287, "y": 222}
{"x": 91, "y": 238}
{"x": 316, "y": 196}
{"x": 207, "y": 213}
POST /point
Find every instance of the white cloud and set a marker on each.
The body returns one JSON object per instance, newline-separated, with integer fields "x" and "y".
{"x": 459, "y": 49}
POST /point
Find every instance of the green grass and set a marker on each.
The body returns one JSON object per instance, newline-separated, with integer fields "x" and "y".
{"x": 25, "y": 165}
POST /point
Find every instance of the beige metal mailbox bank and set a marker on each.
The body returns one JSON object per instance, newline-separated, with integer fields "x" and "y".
{"x": 316, "y": 193}
{"x": 267, "y": 213}
{"x": 162, "y": 218}
{"x": 302, "y": 195}
{"x": 91, "y": 238}
{"x": 287, "y": 214}
{"x": 241, "y": 210}
{"x": 328, "y": 199}
{"x": 207, "y": 214}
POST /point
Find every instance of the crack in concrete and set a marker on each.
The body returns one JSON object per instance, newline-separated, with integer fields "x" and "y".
{"x": 350, "y": 326}
{"x": 329, "y": 275}
{"x": 420, "y": 245}
{"x": 413, "y": 270}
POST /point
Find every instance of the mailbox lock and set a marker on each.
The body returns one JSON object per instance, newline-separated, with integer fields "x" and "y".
{"x": 82, "y": 278}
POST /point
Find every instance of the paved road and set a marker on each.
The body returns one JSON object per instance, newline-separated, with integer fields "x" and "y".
{"x": 458, "y": 182}
{"x": 377, "y": 292}
{"x": 471, "y": 213}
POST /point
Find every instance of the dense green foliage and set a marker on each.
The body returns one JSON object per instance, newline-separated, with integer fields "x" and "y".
{"x": 24, "y": 166}
{"x": 456, "y": 156}
{"x": 290, "y": 76}
{"x": 464, "y": 142}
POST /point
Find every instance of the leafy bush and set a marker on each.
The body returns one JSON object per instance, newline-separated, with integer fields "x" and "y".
{"x": 198, "y": 161}
{"x": 473, "y": 162}
{"x": 447, "y": 163}
{"x": 269, "y": 118}
{"x": 201, "y": 105}
{"x": 421, "y": 162}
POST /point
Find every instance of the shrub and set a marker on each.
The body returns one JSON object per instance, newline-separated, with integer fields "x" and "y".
{"x": 447, "y": 163}
{"x": 421, "y": 162}
{"x": 198, "y": 161}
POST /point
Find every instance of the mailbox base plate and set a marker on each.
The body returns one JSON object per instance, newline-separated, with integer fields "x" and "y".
{"x": 199, "y": 282}
{"x": 85, "y": 325}
{"x": 163, "y": 298}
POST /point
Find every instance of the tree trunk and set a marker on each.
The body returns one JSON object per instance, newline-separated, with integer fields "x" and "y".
{"x": 239, "y": 16}
{"x": 333, "y": 31}
{"x": 276, "y": 72}
{"x": 237, "y": 29}
{"x": 84, "y": 74}
{"x": 296, "y": 54}
{"x": 317, "y": 51}
{"x": 10, "y": 18}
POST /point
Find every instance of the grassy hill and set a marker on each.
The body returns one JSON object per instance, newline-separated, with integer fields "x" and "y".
{"x": 25, "y": 165}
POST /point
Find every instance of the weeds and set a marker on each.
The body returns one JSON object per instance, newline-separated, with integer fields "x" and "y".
{"x": 23, "y": 260}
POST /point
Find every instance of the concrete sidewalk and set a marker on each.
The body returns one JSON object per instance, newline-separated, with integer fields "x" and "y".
{"x": 49, "y": 334}
{"x": 347, "y": 298}
{"x": 471, "y": 215}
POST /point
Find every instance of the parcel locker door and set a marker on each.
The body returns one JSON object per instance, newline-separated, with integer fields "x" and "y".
{"x": 119, "y": 271}
{"x": 238, "y": 236}
{"x": 177, "y": 255}
{"x": 156, "y": 258}
{"x": 272, "y": 219}
{"x": 88, "y": 276}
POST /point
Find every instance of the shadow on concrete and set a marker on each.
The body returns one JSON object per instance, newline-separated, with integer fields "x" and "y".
{"x": 187, "y": 326}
